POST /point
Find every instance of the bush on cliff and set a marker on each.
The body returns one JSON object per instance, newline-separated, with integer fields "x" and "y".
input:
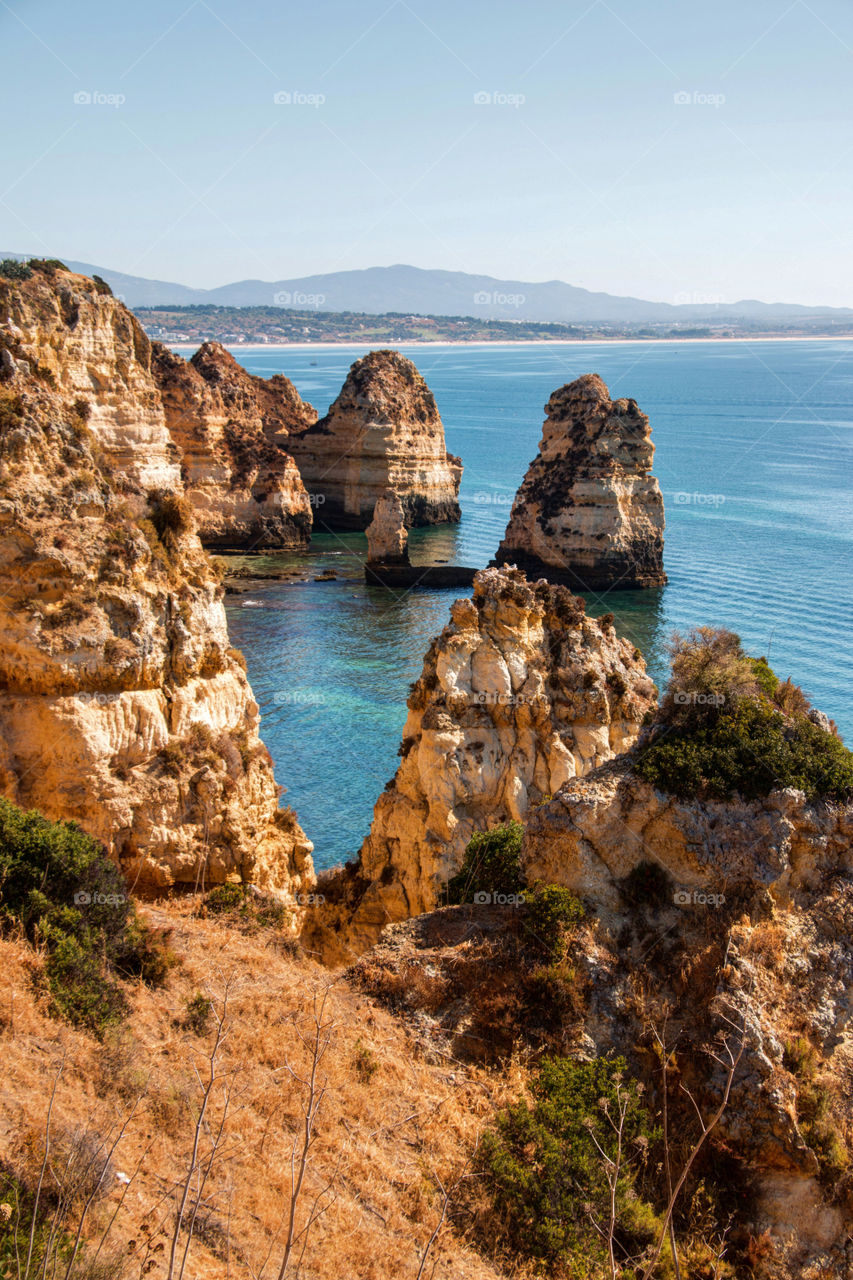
{"x": 490, "y": 866}
{"x": 544, "y": 1171}
{"x": 59, "y": 885}
{"x": 728, "y": 725}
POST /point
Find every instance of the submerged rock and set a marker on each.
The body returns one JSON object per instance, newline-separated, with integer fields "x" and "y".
{"x": 589, "y": 512}
{"x": 382, "y": 433}
{"x": 123, "y": 706}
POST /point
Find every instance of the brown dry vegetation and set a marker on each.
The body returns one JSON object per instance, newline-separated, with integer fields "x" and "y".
{"x": 390, "y": 1128}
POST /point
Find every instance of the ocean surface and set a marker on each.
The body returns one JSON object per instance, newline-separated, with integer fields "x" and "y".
{"x": 755, "y": 459}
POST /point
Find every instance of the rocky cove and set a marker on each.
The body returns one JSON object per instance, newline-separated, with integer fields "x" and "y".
{"x": 127, "y": 709}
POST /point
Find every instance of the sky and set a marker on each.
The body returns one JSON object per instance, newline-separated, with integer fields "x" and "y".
{"x": 663, "y": 149}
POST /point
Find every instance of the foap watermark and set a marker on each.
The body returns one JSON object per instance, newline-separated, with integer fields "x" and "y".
{"x": 295, "y": 98}
{"x": 483, "y": 498}
{"x": 484, "y": 99}
{"x": 94, "y": 98}
{"x": 304, "y": 500}
{"x": 697, "y": 898}
{"x": 492, "y": 698}
{"x": 696, "y": 299}
{"x": 699, "y": 499}
{"x": 304, "y": 301}
{"x": 684, "y": 98}
{"x": 83, "y": 898}
{"x": 494, "y": 299}
{"x": 299, "y": 698}
{"x": 310, "y": 899}
{"x": 483, "y": 899}
{"x": 687, "y": 698}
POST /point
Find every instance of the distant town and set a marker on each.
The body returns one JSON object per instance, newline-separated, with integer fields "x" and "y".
{"x": 254, "y": 326}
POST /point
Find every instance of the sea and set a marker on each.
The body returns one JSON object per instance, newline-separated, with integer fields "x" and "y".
{"x": 754, "y": 454}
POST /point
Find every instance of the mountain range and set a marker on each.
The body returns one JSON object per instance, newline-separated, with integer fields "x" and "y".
{"x": 415, "y": 290}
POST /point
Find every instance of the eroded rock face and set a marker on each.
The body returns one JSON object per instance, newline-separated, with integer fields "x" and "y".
{"x": 518, "y": 694}
{"x": 382, "y": 433}
{"x": 589, "y": 512}
{"x": 599, "y": 828}
{"x": 122, "y": 705}
{"x": 747, "y": 938}
{"x": 387, "y": 538}
{"x": 231, "y": 430}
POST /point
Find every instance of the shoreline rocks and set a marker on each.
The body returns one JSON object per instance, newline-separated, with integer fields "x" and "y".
{"x": 589, "y": 513}
{"x": 382, "y": 434}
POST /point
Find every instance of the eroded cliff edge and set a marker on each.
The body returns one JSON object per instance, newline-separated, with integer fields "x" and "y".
{"x": 521, "y": 692}
{"x": 382, "y": 434}
{"x": 123, "y": 706}
{"x": 231, "y": 430}
{"x": 589, "y": 513}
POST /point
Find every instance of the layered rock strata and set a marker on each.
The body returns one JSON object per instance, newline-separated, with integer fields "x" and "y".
{"x": 383, "y": 433}
{"x": 520, "y": 693}
{"x": 387, "y": 538}
{"x": 122, "y": 705}
{"x": 231, "y": 430}
{"x": 589, "y": 512}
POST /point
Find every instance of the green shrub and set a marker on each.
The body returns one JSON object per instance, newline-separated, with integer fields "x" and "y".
{"x": 551, "y": 914}
{"x": 11, "y": 269}
{"x": 226, "y": 897}
{"x": 752, "y": 750}
{"x": 11, "y": 411}
{"x": 546, "y": 1178}
{"x": 198, "y": 1013}
{"x": 71, "y": 899}
{"x": 102, "y": 286}
{"x": 491, "y": 864}
{"x": 47, "y": 266}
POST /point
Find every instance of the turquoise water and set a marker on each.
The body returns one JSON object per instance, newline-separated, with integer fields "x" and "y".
{"x": 754, "y": 458}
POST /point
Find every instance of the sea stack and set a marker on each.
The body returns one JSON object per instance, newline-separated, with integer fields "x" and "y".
{"x": 387, "y": 538}
{"x": 589, "y": 513}
{"x": 383, "y": 433}
{"x": 520, "y": 693}
{"x": 231, "y": 429}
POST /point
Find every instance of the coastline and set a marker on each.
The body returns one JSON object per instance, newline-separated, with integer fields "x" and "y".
{"x": 522, "y": 342}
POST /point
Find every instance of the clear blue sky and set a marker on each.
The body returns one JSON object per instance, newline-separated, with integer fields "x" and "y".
{"x": 599, "y": 177}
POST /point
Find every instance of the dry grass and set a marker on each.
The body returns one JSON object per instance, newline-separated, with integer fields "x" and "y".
{"x": 384, "y": 1136}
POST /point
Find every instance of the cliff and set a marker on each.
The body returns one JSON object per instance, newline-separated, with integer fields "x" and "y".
{"x": 520, "y": 693}
{"x": 122, "y": 705}
{"x": 382, "y": 433}
{"x": 230, "y": 429}
{"x": 589, "y": 512}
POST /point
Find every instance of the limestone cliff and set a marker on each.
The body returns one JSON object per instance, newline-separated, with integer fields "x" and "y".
{"x": 729, "y": 919}
{"x": 122, "y": 705}
{"x": 589, "y": 512}
{"x": 231, "y": 430}
{"x": 518, "y": 694}
{"x": 382, "y": 433}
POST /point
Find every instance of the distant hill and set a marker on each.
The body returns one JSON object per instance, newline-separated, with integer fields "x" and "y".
{"x": 416, "y": 291}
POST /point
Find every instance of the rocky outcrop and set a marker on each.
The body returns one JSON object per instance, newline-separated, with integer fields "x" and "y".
{"x": 589, "y": 512}
{"x": 520, "y": 693}
{"x": 122, "y": 705}
{"x": 387, "y": 538}
{"x": 600, "y": 828}
{"x": 231, "y": 430}
{"x": 734, "y": 920}
{"x": 382, "y": 433}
